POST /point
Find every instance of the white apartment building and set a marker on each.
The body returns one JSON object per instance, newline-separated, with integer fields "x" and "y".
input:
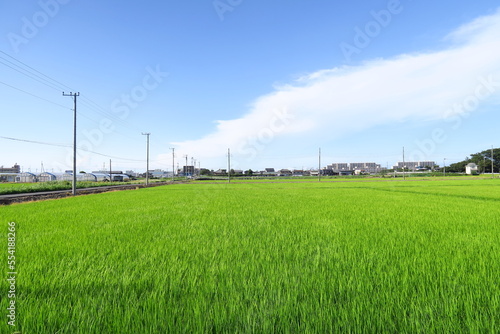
{"x": 366, "y": 167}
{"x": 414, "y": 165}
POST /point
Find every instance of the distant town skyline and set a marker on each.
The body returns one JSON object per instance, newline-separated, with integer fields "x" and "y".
{"x": 371, "y": 167}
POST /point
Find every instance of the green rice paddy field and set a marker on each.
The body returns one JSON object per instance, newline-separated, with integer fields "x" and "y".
{"x": 318, "y": 257}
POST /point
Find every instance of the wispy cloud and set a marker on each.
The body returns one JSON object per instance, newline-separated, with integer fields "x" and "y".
{"x": 409, "y": 87}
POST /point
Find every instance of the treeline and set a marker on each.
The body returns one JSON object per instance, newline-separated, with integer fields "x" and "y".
{"x": 481, "y": 159}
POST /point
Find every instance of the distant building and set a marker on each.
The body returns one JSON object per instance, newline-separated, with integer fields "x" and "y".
{"x": 314, "y": 172}
{"x": 188, "y": 170}
{"x": 336, "y": 167}
{"x": 268, "y": 172}
{"x": 365, "y": 167}
{"x": 471, "y": 169}
{"x": 131, "y": 173}
{"x": 327, "y": 172}
{"x": 8, "y": 177}
{"x": 344, "y": 168}
{"x": 415, "y": 165}
{"x": 284, "y": 172}
{"x": 160, "y": 174}
{"x": 14, "y": 169}
{"x": 220, "y": 172}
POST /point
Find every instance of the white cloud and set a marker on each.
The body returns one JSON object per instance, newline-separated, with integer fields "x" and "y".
{"x": 337, "y": 101}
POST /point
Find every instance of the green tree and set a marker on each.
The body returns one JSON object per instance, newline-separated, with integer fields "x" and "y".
{"x": 205, "y": 171}
{"x": 458, "y": 167}
{"x": 481, "y": 159}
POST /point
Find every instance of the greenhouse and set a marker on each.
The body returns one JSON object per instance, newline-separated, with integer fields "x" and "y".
{"x": 26, "y": 177}
{"x": 121, "y": 177}
{"x": 65, "y": 177}
{"x": 46, "y": 177}
{"x": 86, "y": 177}
{"x": 101, "y": 177}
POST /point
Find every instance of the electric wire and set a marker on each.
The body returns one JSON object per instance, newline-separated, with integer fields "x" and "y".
{"x": 36, "y": 96}
{"x": 70, "y": 146}
{"x": 52, "y": 83}
{"x": 58, "y": 86}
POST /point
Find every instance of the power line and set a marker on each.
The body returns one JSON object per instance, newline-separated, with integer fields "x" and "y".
{"x": 38, "y": 97}
{"x": 28, "y": 74}
{"x": 46, "y": 100}
{"x": 35, "y": 142}
{"x": 52, "y": 83}
{"x": 36, "y": 75}
{"x": 35, "y": 70}
{"x": 67, "y": 145}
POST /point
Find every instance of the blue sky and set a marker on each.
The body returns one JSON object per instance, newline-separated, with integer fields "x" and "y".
{"x": 271, "y": 80}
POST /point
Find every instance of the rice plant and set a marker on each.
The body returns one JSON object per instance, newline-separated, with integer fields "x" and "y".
{"x": 414, "y": 257}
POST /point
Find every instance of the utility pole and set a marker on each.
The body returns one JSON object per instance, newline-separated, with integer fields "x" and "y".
{"x": 74, "y": 95}
{"x": 444, "y": 167}
{"x": 319, "y": 165}
{"x": 147, "y": 157}
{"x": 228, "y": 165}
{"x": 110, "y": 172}
{"x": 492, "y": 159}
{"x": 193, "y": 163}
{"x": 185, "y": 166}
{"x": 404, "y": 176}
{"x": 173, "y": 163}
